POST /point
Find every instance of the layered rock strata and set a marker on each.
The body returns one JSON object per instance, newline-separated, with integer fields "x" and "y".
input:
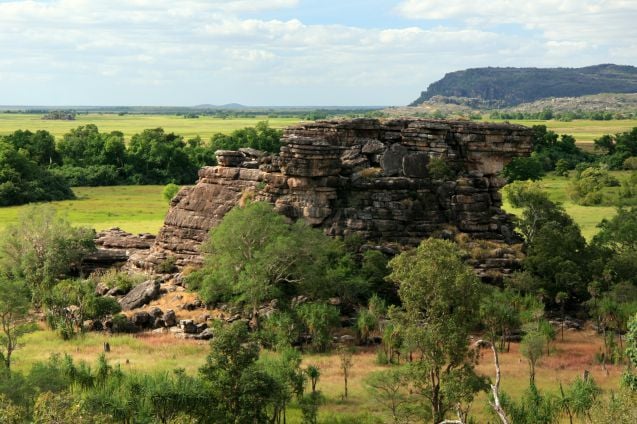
{"x": 391, "y": 182}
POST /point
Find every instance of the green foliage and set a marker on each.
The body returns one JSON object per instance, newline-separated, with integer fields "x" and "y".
{"x": 85, "y": 146}
{"x": 618, "y": 409}
{"x": 14, "y": 322}
{"x": 242, "y": 389}
{"x": 42, "y": 247}
{"x": 310, "y": 404}
{"x": 170, "y": 191}
{"x": 630, "y": 163}
{"x": 629, "y": 379}
{"x": 260, "y": 137}
{"x": 533, "y": 408}
{"x": 439, "y": 169}
{"x": 532, "y": 348}
{"x": 319, "y": 319}
{"x": 38, "y": 147}
{"x": 22, "y": 180}
{"x": 123, "y": 281}
{"x": 440, "y": 295}
{"x": 618, "y": 148}
{"x": 549, "y": 150}
{"x": 391, "y": 389}
{"x": 558, "y": 257}
{"x": 579, "y": 398}
{"x": 155, "y": 157}
{"x": 522, "y": 169}
{"x": 167, "y": 266}
{"x": 586, "y": 187}
{"x": 537, "y": 208}
{"x": 254, "y": 255}
{"x": 500, "y": 314}
{"x": 10, "y": 413}
{"x": 280, "y": 330}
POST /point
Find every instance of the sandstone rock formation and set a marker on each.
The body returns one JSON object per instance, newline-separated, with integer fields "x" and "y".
{"x": 115, "y": 246}
{"x": 392, "y": 182}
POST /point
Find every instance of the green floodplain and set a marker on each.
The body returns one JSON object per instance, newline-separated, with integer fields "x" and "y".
{"x": 141, "y": 209}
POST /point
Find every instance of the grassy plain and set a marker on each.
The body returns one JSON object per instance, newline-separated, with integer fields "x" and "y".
{"x": 136, "y": 209}
{"x": 585, "y": 131}
{"x": 204, "y": 126}
{"x": 587, "y": 217}
{"x": 132, "y": 352}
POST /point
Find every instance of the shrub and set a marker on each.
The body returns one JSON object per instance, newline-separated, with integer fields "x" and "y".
{"x": 121, "y": 280}
{"x": 168, "y": 265}
{"x": 631, "y": 163}
{"x": 586, "y": 188}
{"x": 170, "y": 191}
{"x": 121, "y": 324}
{"x": 439, "y": 169}
{"x": 522, "y": 169}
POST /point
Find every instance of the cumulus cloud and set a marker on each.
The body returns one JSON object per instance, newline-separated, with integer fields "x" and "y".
{"x": 218, "y": 51}
{"x": 591, "y": 21}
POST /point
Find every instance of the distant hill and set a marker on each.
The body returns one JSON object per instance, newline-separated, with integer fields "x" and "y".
{"x": 226, "y": 106}
{"x": 503, "y": 87}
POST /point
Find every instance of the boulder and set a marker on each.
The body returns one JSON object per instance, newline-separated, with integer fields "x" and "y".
{"x": 140, "y": 295}
{"x": 142, "y": 319}
{"x": 170, "y": 319}
{"x": 204, "y": 335}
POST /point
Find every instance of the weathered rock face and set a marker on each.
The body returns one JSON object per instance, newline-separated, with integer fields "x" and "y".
{"x": 115, "y": 246}
{"x": 391, "y": 182}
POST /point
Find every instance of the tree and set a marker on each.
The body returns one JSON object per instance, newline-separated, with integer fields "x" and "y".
{"x": 560, "y": 299}
{"x": 22, "y": 180}
{"x": 240, "y": 389}
{"x": 440, "y": 296}
{"x": 85, "y": 145}
{"x": 537, "y": 208}
{"x": 155, "y": 157}
{"x": 70, "y": 302}
{"x": 532, "y": 348}
{"x": 522, "y": 169}
{"x": 254, "y": 255}
{"x": 14, "y": 313}
{"x": 38, "y": 147}
{"x": 499, "y": 313}
{"x": 629, "y": 379}
{"x": 579, "y": 398}
{"x": 43, "y": 246}
{"x": 260, "y": 137}
{"x": 391, "y": 389}
{"x": 345, "y": 356}
{"x": 319, "y": 319}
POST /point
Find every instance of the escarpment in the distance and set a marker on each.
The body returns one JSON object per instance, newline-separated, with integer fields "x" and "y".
{"x": 391, "y": 182}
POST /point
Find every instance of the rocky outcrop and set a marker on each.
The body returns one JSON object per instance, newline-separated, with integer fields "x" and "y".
{"x": 391, "y": 182}
{"x": 115, "y": 246}
{"x": 140, "y": 295}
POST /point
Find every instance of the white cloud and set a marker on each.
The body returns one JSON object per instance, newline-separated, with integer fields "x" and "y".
{"x": 196, "y": 51}
{"x": 602, "y": 21}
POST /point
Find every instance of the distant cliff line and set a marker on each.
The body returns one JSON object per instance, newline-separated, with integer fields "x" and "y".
{"x": 505, "y": 87}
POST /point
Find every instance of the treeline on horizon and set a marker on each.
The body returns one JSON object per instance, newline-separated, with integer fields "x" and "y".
{"x": 35, "y": 167}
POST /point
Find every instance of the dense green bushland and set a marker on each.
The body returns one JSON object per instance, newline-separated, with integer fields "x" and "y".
{"x": 255, "y": 257}
{"x": 34, "y": 168}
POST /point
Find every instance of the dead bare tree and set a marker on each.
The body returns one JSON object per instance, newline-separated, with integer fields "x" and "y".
{"x": 495, "y": 388}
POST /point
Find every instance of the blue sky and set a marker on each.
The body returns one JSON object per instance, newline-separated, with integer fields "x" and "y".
{"x": 288, "y": 52}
